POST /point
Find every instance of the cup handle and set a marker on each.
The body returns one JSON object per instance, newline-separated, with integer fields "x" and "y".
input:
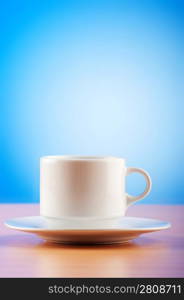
{"x": 132, "y": 199}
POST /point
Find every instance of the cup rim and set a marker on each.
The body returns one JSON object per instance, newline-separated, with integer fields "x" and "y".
{"x": 80, "y": 158}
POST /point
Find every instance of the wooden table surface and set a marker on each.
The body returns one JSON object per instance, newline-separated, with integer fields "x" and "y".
{"x": 159, "y": 254}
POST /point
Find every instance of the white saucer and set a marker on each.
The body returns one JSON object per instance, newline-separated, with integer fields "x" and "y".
{"x": 123, "y": 230}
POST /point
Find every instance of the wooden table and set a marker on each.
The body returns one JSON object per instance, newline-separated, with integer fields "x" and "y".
{"x": 159, "y": 254}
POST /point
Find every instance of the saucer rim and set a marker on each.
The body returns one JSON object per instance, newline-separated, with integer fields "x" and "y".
{"x": 166, "y": 225}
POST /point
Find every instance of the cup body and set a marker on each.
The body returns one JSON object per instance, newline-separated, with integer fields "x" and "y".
{"x": 75, "y": 187}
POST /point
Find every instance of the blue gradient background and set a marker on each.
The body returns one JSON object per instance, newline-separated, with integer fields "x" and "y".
{"x": 92, "y": 78}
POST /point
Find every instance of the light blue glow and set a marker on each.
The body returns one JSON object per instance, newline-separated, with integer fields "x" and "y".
{"x": 92, "y": 78}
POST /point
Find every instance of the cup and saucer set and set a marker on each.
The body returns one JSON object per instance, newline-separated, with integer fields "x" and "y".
{"x": 83, "y": 200}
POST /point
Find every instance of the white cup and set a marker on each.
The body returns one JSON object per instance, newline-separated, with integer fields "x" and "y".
{"x": 85, "y": 187}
